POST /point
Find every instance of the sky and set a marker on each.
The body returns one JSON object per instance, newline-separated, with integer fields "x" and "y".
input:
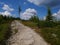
{"x": 29, "y": 8}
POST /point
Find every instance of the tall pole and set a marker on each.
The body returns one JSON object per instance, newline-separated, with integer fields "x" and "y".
{"x": 19, "y": 8}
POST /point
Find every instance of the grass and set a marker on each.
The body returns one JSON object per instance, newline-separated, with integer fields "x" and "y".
{"x": 51, "y": 35}
{"x": 5, "y": 29}
{"x": 30, "y": 24}
{"x": 5, "y": 33}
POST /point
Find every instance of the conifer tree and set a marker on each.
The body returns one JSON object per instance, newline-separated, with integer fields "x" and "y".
{"x": 49, "y": 17}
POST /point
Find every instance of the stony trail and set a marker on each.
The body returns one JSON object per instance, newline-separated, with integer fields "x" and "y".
{"x": 24, "y": 36}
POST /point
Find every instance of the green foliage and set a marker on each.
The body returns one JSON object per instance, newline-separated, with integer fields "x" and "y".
{"x": 49, "y": 20}
{"x": 30, "y": 24}
{"x": 51, "y": 35}
{"x": 36, "y": 20}
{"x": 5, "y": 31}
{"x": 44, "y": 24}
{"x": 49, "y": 17}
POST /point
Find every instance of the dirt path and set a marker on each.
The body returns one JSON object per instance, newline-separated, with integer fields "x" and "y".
{"x": 25, "y": 36}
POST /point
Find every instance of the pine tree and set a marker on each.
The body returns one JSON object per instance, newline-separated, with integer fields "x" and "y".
{"x": 49, "y": 17}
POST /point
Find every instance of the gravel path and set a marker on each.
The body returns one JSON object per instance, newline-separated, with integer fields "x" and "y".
{"x": 24, "y": 36}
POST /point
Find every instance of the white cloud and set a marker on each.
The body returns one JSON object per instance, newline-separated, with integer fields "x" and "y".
{"x": 57, "y": 15}
{"x": 44, "y": 18}
{"x": 28, "y": 13}
{"x": 5, "y": 13}
{"x": 7, "y": 8}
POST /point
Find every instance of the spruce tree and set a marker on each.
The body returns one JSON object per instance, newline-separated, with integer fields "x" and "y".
{"x": 49, "y": 17}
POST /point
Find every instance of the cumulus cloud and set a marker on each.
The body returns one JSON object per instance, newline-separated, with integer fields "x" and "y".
{"x": 28, "y": 13}
{"x": 57, "y": 15}
{"x": 45, "y": 2}
{"x": 7, "y": 8}
{"x": 5, "y": 13}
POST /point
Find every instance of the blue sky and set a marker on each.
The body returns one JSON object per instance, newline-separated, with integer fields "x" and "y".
{"x": 38, "y": 5}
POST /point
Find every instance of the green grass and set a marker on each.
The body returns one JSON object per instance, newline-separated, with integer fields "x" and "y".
{"x": 51, "y": 35}
{"x": 5, "y": 29}
{"x": 30, "y": 24}
{"x": 5, "y": 32}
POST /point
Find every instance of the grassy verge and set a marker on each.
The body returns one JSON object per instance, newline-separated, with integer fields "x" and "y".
{"x": 5, "y": 33}
{"x": 29, "y": 24}
{"x": 5, "y": 29}
{"x": 51, "y": 35}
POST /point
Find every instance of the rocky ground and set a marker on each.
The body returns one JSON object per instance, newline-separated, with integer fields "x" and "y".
{"x": 23, "y": 35}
